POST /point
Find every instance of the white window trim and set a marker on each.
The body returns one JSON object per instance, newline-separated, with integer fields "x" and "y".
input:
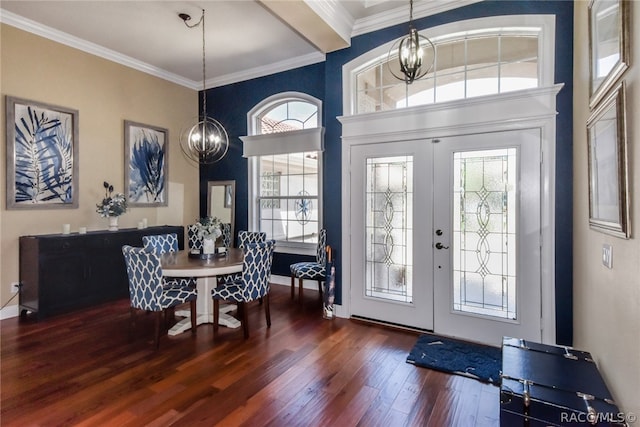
{"x": 546, "y": 48}
{"x": 253, "y": 175}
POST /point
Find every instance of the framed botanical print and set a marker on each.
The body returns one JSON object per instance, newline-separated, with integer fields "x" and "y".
{"x": 608, "y": 45}
{"x": 42, "y": 155}
{"x": 146, "y": 164}
{"x": 608, "y": 169}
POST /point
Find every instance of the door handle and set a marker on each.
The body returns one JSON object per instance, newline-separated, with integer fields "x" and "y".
{"x": 441, "y": 246}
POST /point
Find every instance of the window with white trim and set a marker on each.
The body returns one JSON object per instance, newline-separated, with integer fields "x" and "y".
{"x": 284, "y": 148}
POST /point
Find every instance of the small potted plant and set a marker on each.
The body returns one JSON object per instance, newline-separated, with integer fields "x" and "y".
{"x": 112, "y": 206}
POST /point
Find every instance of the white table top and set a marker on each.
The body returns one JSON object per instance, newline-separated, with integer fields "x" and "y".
{"x": 179, "y": 264}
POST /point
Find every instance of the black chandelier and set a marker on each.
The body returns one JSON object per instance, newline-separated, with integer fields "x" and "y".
{"x": 410, "y": 52}
{"x": 206, "y": 141}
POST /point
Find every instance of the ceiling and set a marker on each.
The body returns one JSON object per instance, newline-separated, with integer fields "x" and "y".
{"x": 244, "y": 39}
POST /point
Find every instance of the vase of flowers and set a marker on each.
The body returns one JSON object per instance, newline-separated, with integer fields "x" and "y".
{"x": 111, "y": 206}
{"x": 209, "y": 229}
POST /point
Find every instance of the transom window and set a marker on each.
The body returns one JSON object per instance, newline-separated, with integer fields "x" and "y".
{"x": 285, "y": 155}
{"x": 481, "y": 57}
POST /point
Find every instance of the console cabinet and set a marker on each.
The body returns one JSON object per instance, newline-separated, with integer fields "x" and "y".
{"x": 61, "y": 273}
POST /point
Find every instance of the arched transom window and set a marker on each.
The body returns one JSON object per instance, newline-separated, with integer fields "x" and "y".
{"x": 482, "y": 57}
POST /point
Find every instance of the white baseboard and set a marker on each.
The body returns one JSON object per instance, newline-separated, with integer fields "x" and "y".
{"x": 9, "y": 312}
{"x": 12, "y": 310}
{"x": 306, "y": 284}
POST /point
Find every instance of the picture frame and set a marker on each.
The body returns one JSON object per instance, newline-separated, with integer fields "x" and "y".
{"x": 609, "y": 51}
{"x": 42, "y": 155}
{"x": 146, "y": 164}
{"x": 608, "y": 166}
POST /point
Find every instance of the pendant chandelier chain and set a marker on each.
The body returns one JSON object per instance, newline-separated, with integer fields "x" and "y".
{"x": 204, "y": 73}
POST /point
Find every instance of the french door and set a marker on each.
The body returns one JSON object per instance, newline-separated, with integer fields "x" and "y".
{"x": 445, "y": 234}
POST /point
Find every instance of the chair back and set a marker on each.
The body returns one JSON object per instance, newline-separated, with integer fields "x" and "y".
{"x": 195, "y": 242}
{"x": 256, "y": 269}
{"x": 161, "y": 243}
{"x": 245, "y": 237}
{"x": 145, "y": 277}
{"x": 321, "y": 250}
{"x": 227, "y": 239}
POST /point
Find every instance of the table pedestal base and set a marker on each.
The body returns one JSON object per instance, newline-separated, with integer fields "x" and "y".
{"x": 185, "y": 324}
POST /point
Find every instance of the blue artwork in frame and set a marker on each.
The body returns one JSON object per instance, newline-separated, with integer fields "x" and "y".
{"x": 146, "y": 164}
{"x": 42, "y": 155}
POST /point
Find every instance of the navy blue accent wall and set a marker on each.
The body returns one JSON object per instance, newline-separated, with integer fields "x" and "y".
{"x": 230, "y": 104}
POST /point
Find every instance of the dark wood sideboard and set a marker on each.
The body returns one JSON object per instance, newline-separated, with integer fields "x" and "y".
{"x": 60, "y": 273}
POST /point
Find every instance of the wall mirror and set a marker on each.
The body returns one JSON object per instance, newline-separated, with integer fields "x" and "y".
{"x": 221, "y": 202}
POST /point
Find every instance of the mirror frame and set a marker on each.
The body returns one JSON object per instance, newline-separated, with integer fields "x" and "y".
{"x": 230, "y": 184}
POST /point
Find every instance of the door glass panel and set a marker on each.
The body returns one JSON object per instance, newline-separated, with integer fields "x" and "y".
{"x": 389, "y": 224}
{"x": 484, "y": 232}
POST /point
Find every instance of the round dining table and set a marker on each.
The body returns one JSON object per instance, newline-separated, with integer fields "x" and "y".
{"x": 181, "y": 264}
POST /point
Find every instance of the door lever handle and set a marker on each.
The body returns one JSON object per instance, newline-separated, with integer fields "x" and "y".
{"x": 441, "y": 246}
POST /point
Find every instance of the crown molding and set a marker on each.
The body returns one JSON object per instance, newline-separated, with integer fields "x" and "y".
{"x": 335, "y": 15}
{"x": 400, "y": 15}
{"x": 276, "y": 67}
{"x": 36, "y": 28}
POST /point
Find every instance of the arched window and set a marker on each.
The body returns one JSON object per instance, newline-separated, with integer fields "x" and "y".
{"x": 284, "y": 147}
{"x": 478, "y": 57}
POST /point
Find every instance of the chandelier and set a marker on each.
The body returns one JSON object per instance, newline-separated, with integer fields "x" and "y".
{"x": 206, "y": 141}
{"x": 410, "y": 52}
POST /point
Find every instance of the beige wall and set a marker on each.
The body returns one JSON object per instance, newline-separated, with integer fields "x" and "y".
{"x": 105, "y": 94}
{"x": 606, "y": 303}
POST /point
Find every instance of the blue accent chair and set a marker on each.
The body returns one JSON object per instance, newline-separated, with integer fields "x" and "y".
{"x": 150, "y": 291}
{"x": 311, "y": 270}
{"x": 244, "y": 238}
{"x": 253, "y": 285}
{"x": 163, "y": 243}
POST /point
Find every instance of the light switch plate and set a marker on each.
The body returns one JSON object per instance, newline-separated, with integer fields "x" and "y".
{"x": 607, "y": 255}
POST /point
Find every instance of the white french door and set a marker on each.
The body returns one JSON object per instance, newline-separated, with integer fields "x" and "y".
{"x": 445, "y": 234}
{"x": 392, "y": 266}
{"x": 487, "y": 226}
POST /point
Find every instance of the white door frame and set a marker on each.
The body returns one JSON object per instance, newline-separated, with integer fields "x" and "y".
{"x": 525, "y": 109}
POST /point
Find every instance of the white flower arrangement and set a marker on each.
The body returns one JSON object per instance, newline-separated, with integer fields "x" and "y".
{"x": 209, "y": 228}
{"x": 112, "y": 204}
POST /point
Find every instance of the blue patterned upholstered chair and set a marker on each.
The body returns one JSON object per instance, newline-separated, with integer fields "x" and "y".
{"x": 244, "y": 237}
{"x": 195, "y": 242}
{"x": 150, "y": 291}
{"x": 311, "y": 270}
{"x": 163, "y": 243}
{"x": 227, "y": 238}
{"x": 253, "y": 285}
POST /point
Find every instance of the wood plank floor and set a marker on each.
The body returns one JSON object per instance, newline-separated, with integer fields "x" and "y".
{"x": 87, "y": 369}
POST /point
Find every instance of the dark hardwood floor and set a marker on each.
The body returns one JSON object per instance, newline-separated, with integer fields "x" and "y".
{"x": 85, "y": 369}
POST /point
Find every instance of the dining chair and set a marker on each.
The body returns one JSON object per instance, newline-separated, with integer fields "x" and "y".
{"x": 312, "y": 270}
{"x": 163, "y": 243}
{"x": 254, "y": 284}
{"x": 244, "y": 238}
{"x": 150, "y": 291}
{"x": 195, "y": 242}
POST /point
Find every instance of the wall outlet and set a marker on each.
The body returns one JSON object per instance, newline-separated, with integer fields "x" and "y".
{"x": 607, "y": 256}
{"x": 15, "y": 287}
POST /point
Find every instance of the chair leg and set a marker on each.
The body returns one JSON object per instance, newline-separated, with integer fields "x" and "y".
{"x": 245, "y": 319}
{"x": 216, "y": 315}
{"x": 267, "y": 311}
{"x": 194, "y": 317}
{"x": 320, "y": 289}
{"x": 293, "y": 286}
{"x": 159, "y": 315}
{"x": 300, "y": 287}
